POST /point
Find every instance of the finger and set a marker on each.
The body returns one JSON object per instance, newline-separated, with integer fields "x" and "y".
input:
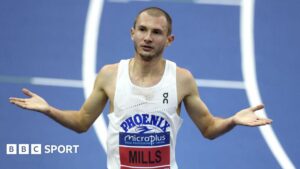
{"x": 27, "y": 92}
{"x": 22, "y": 105}
{"x": 260, "y": 122}
{"x": 14, "y": 99}
{"x": 258, "y": 107}
{"x": 19, "y": 103}
{"x": 268, "y": 121}
{"x": 262, "y": 118}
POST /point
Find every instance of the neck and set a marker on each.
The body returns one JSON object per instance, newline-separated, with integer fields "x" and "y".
{"x": 142, "y": 68}
{"x": 146, "y": 73}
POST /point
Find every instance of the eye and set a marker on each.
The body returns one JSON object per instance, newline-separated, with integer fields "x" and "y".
{"x": 157, "y": 31}
{"x": 142, "y": 29}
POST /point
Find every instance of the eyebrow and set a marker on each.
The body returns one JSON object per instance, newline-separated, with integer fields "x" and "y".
{"x": 154, "y": 29}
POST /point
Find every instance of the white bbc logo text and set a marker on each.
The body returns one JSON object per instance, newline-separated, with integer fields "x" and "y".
{"x": 26, "y": 149}
{"x": 11, "y": 149}
{"x": 23, "y": 149}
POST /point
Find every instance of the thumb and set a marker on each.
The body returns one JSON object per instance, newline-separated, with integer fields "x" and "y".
{"x": 258, "y": 107}
{"x": 27, "y": 92}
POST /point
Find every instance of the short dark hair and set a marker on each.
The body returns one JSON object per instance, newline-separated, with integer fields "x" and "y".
{"x": 155, "y": 11}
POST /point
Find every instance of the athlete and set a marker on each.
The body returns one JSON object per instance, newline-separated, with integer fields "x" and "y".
{"x": 145, "y": 94}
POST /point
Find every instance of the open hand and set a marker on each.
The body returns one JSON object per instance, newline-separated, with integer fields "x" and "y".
{"x": 34, "y": 102}
{"x": 247, "y": 117}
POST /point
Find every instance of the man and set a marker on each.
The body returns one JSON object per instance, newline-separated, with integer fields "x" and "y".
{"x": 145, "y": 95}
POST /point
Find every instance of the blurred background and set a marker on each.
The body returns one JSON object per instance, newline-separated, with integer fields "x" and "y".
{"x": 56, "y": 47}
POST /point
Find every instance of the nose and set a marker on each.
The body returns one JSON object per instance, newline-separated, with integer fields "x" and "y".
{"x": 148, "y": 38}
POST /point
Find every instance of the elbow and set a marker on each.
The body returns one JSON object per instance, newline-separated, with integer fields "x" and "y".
{"x": 82, "y": 125}
{"x": 209, "y": 136}
{"x": 82, "y": 129}
{"x": 210, "y": 132}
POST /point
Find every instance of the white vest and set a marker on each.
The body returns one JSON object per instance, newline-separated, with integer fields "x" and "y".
{"x": 143, "y": 127}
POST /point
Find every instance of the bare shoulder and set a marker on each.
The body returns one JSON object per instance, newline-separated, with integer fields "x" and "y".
{"x": 107, "y": 75}
{"x": 184, "y": 76}
{"x": 108, "y": 70}
{"x": 186, "y": 84}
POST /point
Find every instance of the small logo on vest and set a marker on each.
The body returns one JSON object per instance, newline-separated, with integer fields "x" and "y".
{"x": 165, "y": 100}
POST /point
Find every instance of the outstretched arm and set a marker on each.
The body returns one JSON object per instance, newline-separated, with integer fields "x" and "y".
{"x": 79, "y": 121}
{"x": 210, "y": 126}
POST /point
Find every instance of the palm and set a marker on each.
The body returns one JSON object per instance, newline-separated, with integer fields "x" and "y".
{"x": 34, "y": 102}
{"x": 248, "y": 117}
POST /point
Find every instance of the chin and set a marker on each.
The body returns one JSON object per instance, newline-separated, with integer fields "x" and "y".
{"x": 146, "y": 58}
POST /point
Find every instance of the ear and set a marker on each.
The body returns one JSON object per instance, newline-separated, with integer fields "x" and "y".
{"x": 131, "y": 33}
{"x": 170, "y": 39}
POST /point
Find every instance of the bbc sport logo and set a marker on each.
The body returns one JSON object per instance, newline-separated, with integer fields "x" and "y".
{"x": 38, "y": 149}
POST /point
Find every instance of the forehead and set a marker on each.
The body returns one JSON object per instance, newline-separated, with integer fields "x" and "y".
{"x": 151, "y": 21}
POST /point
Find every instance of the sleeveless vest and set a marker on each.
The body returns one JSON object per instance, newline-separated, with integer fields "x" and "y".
{"x": 143, "y": 127}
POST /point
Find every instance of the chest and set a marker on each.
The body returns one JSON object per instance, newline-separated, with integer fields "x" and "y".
{"x": 163, "y": 97}
{"x": 147, "y": 81}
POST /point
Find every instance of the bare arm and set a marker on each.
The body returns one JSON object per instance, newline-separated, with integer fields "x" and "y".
{"x": 210, "y": 126}
{"x": 79, "y": 121}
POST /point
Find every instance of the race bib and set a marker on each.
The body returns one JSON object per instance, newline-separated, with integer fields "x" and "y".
{"x": 144, "y": 142}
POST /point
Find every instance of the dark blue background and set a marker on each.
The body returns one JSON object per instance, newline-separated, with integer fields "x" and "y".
{"x": 40, "y": 38}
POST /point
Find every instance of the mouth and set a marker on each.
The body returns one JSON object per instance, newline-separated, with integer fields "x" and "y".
{"x": 146, "y": 47}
